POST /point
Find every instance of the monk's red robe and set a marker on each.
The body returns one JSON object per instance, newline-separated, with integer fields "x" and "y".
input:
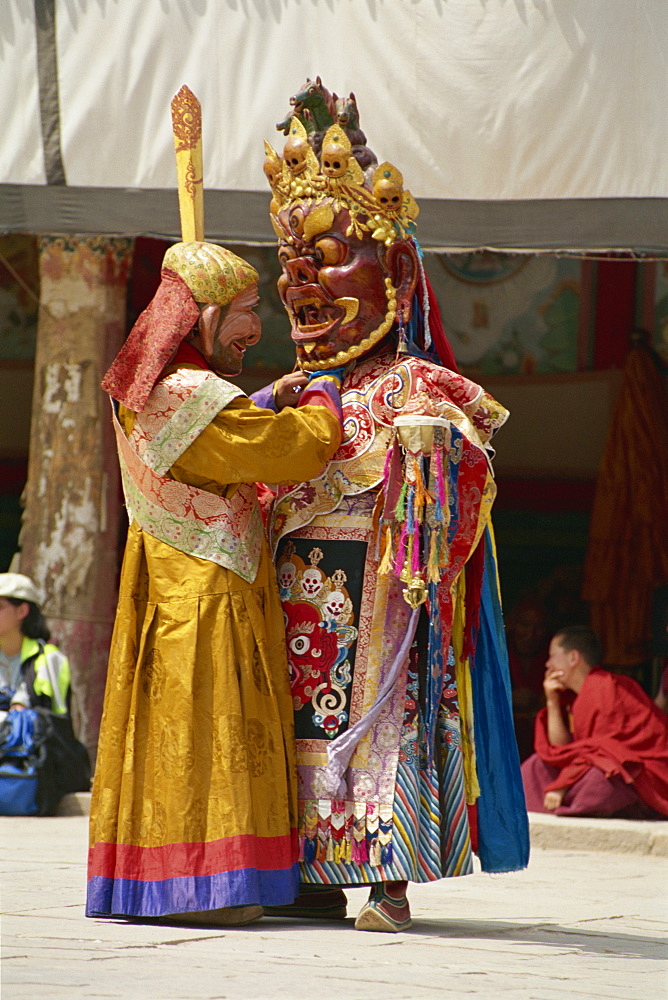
{"x": 617, "y": 728}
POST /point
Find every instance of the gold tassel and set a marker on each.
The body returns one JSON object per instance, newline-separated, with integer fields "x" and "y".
{"x": 386, "y": 560}
{"x": 406, "y": 574}
{"x": 433, "y": 575}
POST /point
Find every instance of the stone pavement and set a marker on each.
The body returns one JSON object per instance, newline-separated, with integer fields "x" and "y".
{"x": 582, "y": 925}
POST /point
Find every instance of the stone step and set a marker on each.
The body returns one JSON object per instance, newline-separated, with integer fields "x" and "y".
{"x": 580, "y": 833}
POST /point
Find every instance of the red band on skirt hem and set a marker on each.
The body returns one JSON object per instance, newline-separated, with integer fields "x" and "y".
{"x": 176, "y": 860}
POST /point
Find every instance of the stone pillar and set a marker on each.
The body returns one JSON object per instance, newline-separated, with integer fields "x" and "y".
{"x": 69, "y": 541}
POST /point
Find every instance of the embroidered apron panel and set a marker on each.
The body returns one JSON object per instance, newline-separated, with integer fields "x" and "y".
{"x": 320, "y": 585}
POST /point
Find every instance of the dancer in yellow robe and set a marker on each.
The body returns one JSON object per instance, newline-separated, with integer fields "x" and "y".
{"x": 194, "y": 810}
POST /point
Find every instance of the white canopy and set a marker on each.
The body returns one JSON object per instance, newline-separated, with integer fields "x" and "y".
{"x": 516, "y": 123}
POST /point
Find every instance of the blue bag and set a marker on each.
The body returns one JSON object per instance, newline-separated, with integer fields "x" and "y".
{"x": 23, "y": 735}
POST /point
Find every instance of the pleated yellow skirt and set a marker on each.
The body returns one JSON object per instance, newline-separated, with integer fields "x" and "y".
{"x": 194, "y": 801}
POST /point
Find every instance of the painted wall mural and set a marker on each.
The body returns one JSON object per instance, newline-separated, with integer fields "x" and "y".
{"x": 511, "y": 314}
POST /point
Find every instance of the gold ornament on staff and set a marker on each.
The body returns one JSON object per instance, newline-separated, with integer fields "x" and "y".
{"x": 187, "y": 128}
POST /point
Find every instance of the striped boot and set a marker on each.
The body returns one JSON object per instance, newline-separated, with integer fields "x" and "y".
{"x": 387, "y": 909}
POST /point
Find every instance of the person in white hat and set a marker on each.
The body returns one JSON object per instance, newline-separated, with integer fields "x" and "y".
{"x": 33, "y": 672}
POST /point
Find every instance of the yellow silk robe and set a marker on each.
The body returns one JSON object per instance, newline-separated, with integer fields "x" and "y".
{"x": 194, "y": 801}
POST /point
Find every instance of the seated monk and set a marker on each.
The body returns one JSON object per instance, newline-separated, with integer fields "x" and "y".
{"x": 609, "y": 756}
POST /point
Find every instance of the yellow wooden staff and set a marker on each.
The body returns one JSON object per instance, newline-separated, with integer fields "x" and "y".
{"x": 187, "y": 128}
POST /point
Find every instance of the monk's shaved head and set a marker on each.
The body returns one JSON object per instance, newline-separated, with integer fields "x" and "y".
{"x": 584, "y": 640}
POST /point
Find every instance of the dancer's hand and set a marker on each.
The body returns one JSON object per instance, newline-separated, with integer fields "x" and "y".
{"x": 288, "y": 389}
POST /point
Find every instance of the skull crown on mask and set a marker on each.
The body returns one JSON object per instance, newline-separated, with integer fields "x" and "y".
{"x": 347, "y": 257}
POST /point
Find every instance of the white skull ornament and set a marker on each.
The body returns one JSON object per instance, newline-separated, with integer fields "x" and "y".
{"x": 312, "y": 581}
{"x": 312, "y": 578}
{"x": 335, "y": 603}
{"x": 286, "y": 575}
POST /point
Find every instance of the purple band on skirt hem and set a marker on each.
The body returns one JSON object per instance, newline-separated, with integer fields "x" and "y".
{"x": 108, "y": 897}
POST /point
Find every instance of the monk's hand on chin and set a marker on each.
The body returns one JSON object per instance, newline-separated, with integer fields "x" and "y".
{"x": 554, "y": 799}
{"x": 288, "y": 389}
{"x": 552, "y": 685}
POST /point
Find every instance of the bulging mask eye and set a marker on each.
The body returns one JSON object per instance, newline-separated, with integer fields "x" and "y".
{"x": 285, "y": 254}
{"x": 329, "y": 251}
{"x": 297, "y": 220}
{"x": 300, "y": 645}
